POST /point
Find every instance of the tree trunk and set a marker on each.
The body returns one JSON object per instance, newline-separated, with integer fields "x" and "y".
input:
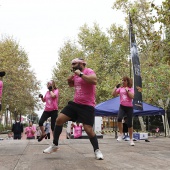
{"x": 143, "y": 126}
{"x": 166, "y": 125}
{"x": 10, "y": 119}
{"x": 165, "y": 118}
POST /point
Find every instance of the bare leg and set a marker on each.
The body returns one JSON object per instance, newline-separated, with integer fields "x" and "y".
{"x": 89, "y": 130}
{"x": 130, "y": 130}
{"x": 53, "y": 134}
{"x": 120, "y": 126}
{"x": 42, "y": 130}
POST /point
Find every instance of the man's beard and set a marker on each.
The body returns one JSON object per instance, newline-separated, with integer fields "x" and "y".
{"x": 78, "y": 67}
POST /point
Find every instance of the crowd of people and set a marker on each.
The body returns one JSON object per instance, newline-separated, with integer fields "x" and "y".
{"x": 80, "y": 110}
{"x": 32, "y": 131}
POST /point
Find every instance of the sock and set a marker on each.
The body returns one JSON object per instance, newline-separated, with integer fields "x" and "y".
{"x": 57, "y": 132}
{"x": 94, "y": 142}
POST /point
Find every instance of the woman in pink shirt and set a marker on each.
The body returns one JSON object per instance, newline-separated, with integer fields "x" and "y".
{"x": 51, "y": 107}
{"x": 126, "y": 93}
{"x": 30, "y": 131}
{"x": 77, "y": 130}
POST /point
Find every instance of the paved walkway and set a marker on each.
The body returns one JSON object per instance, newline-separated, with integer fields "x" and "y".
{"x": 77, "y": 154}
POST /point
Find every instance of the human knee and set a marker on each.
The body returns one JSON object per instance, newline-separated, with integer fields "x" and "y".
{"x": 59, "y": 122}
{"x": 89, "y": 131}
{"x": 129, "y": 125}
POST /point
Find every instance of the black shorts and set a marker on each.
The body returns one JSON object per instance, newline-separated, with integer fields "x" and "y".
{"x": 126, "y": 111}
{"x": 53, "y": 114}
{"x": 80, "y": 113}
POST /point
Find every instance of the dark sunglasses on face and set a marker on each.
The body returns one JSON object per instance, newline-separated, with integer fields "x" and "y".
{"x": 73, "y": 64}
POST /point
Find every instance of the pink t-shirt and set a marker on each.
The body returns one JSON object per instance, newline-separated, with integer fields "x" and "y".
{"x": 125, "y": 100}
{"x": 51, "y": 103}
{"x": 77, "y": 131}
{"x": 84, "y": 92}
{"x": 1, "y": 88}
{"x": 29, "y": 130}
{"x": 157, "y": 130}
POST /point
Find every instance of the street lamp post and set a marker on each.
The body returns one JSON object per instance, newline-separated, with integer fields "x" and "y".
{"x": 148, "y": 125}
{"x": 7, "y": 108}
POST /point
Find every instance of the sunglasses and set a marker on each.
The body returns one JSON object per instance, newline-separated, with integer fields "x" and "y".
{"x": 73, "y": 64}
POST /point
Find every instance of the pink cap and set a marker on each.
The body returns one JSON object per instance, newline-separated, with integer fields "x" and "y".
{"x": 50, "y": 82}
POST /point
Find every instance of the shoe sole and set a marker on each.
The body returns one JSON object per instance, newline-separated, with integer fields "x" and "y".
{"x": 41, "y": 138}
{"x": 52, "y": 151}
{"x": 100, "y": 159}
{"x": 132, "y": 144}
{"x": 119, "y": 140}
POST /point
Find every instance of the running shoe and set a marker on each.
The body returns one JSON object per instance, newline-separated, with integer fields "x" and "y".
{"x": 98, "y": 154}
{"x": 120, "y": 137}
{"x": 51, "y": 149}
{"x": 132, "y": 143}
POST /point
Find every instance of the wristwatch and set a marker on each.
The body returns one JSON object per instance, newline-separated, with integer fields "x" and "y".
{"x": 81, "y": 74}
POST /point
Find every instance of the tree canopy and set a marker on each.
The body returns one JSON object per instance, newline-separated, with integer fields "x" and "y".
{"x": 108, "y": 52}
{"x": 21, "y": 87}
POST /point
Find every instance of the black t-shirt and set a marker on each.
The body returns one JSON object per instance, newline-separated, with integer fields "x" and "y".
{"x": 17, "y": 128}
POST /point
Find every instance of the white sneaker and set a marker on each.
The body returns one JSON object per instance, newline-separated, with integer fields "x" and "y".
{"x": 50, "y": 149}
{"x": 98, "y": 154}
{"x": 132, "y": 143}
{"x": 120, "y": 137}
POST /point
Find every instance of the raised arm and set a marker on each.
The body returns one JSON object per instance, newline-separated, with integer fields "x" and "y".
{"x": 70, "y": 80}
{"x": 92, "y": 78}
{"x": 114, "y": 93}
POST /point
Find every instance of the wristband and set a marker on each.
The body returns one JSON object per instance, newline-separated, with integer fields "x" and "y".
{"x": 81, "y": 74}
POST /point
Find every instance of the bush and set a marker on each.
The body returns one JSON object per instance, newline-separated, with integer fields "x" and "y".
{"x": 5, "y": 129}
{"x": 1, "y": 128}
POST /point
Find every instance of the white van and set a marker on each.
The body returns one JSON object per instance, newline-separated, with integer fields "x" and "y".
{"x": 97, "y": 129}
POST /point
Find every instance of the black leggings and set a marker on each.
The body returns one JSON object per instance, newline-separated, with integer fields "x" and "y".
{"x": 48, "y": 136}
{"x": 125, "y": 111}
{"x": 53, "y": 114}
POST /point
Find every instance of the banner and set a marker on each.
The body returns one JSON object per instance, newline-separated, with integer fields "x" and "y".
{"x": 137, "y": 80}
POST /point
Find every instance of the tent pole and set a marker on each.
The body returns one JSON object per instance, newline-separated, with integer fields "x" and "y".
{"x": 115, "y": 127}
{"x": 165, "y": 124}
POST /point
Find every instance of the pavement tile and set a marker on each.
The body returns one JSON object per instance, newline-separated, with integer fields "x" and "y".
{"x": 77, "y": 154}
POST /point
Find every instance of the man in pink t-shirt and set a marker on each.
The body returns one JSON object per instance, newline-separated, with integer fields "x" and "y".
{"x": 81, "y": 109}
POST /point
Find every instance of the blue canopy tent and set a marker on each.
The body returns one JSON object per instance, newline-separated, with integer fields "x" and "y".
{"x": 111, "y": 108}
